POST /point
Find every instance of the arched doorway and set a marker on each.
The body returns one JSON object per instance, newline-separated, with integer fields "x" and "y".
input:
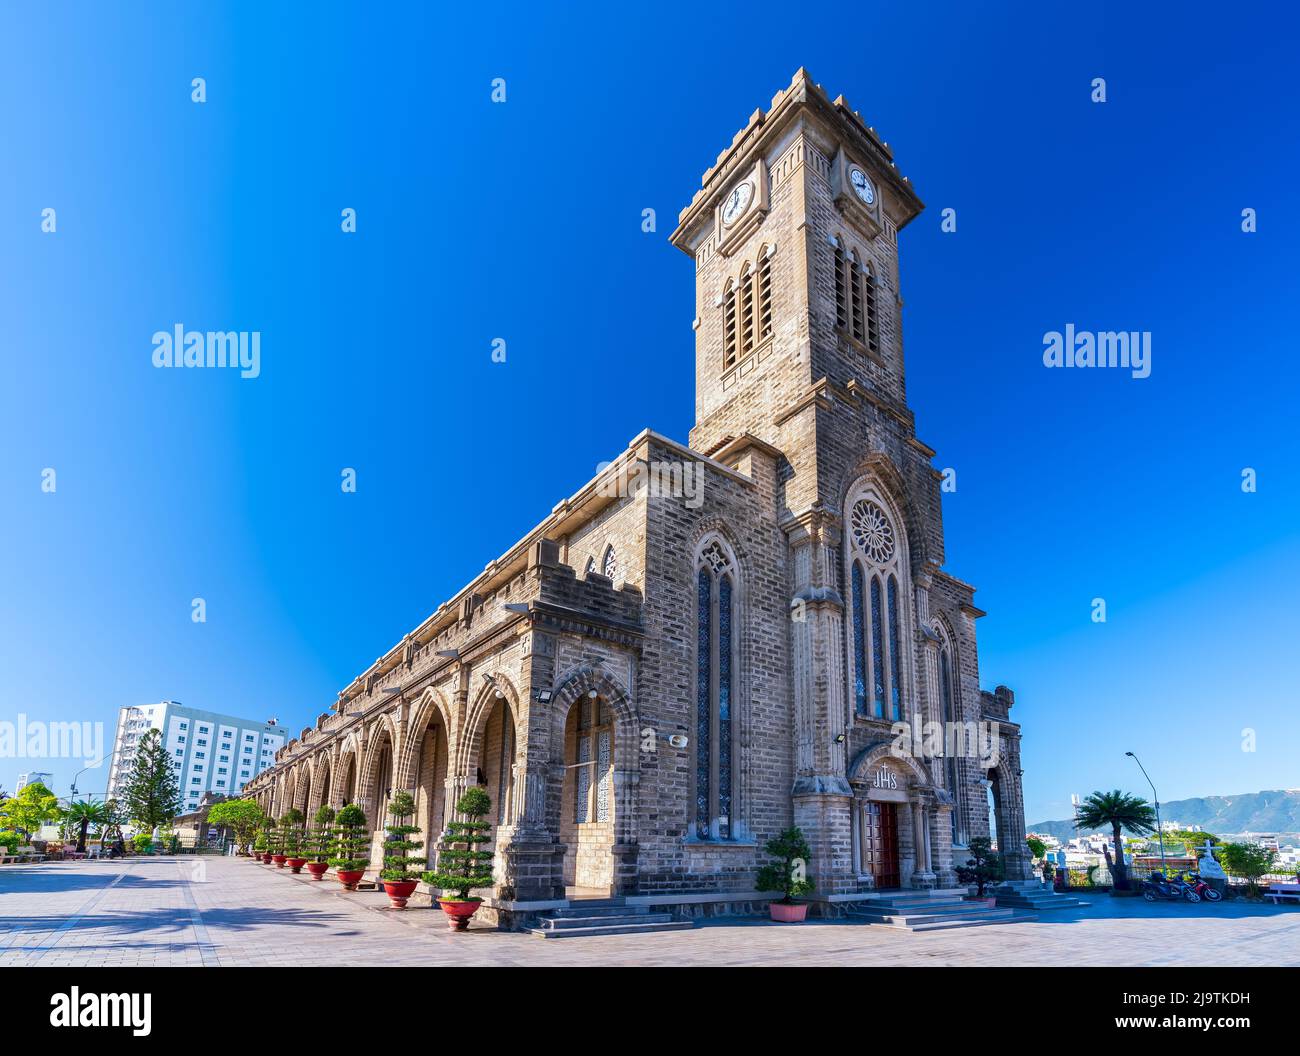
{"x": 423, "y": 770}
{"x": 348, "y": 786}
{"x": 893, "y": 811}
{"x": 587, "y": 821}
{"x": 495, "y": 769}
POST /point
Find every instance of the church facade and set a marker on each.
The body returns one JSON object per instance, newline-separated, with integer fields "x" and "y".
{"x": 710, "y": 643}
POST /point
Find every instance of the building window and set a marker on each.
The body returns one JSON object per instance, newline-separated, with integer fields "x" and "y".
{"x": 595, "y": 730}
{"x": 609, "y": 566}
{"x": 747, "y": 310}
{"x": 855, "y": 299}
{"x": 729, "y": 328}
{"x": 951, "y": 713}
{"x": 878, "y": 618}
{"x": 716, "y": 678}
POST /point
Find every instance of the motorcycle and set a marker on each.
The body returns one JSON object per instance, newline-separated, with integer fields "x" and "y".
{"x": 1158, "y": 887}
{"x": 1202, "y": 888}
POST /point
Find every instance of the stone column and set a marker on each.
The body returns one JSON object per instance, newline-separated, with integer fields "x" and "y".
{"x": 533, "y": 855}
{"x": 821, "y": 794}
{"x": 922, "y": 874}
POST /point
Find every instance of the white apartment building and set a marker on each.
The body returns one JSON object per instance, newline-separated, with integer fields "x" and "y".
{"x": 31, "y": 778}
{"x": 210, "y": 752}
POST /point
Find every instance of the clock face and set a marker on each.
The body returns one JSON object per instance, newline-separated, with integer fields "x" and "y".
{"x": 862, "y": 186}
{"x": 737, "y": 202}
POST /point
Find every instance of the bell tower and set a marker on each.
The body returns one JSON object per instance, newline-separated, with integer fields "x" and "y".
{"x": 794, "y": 235}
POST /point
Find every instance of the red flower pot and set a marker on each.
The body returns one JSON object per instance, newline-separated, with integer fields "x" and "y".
{"x": 349, "y": 878}
{"x": 399, "y": 891}
{"x": 788, "y": 914}
{"x": 458, "y": 913}
{"x": 279, "y": 860}
{"x": 264, "y": 857}
{"x": 295, "y": 864}
{"x": 317, "y": 869}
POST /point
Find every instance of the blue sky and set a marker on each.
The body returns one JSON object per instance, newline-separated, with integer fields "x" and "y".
{"x": 522, "y": 221}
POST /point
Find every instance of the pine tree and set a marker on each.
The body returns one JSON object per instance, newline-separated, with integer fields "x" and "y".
{"x": 319, "y": 839}
{"x": 399, "y": 863}
{"x": 291, "y": 832}
{"x": 152, "y": 796}
{"x": 349, "y": 843}
{"x": 461, "y": 865}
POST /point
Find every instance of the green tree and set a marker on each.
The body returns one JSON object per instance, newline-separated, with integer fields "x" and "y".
{"x": 29, "y": 810}
{"x": 983, "y": 866}
{"x": 319, "y": 839}
{"x": 152, "y": 796}
{"x": 399, "y": 863}
{"x": 81, "y": 815}
{"x": 462, "y": 866}
{"x": 240, "y": 816}
{"x": 1119, "y": 811}
{"x": 349, "y": 845}
{"x": 1037, "y": 848}
{"x": 291, "y": 832}
{"x": 789, "y": 873}
{"x": 1249, "y": 861}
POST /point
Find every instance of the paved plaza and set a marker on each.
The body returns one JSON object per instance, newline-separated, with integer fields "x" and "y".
{"x": 223, "y": 911}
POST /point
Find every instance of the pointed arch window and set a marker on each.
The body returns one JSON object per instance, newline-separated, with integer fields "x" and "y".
{"x": 856, "y": 305}
{"x": 716, "y": 583}
{"x": 950, "y": 759}
{"x": 609, "y": 564}
{"x": 730, "y": 327}
{"x": 877, "y": 639}
{"x": 747, "y": 310}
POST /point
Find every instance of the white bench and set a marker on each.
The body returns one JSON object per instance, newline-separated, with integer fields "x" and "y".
{"x": 1279, "y": 893}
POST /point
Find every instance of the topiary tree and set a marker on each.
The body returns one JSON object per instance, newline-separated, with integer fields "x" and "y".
{"x": 349, "y": 845}
{"x": 983, "y": 867}
{"x": 291, "y": 832}
{"x": 789, "y": 873}
{"x": 319, "y": 839}
{"x": 399, "y": 863}
{"x": 461, "y": 865}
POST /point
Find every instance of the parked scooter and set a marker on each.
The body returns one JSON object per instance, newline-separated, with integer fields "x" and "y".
{"x": 1201, "y": 887}
{"x": 1158, "y": 886}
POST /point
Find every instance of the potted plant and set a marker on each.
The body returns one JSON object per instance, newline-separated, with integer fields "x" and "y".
{"x": 788, "y": 874}
{"x": 318, "y": 842}
{"x": 983, "y": 867}
{"x": 461, "y": 865}
{"x": 400, "y": 873}
{"x": 260, "y": 846}
{"x": 276, "y": 837}
{"x": 350, "y": 846}
{"x": 291, "y": 827}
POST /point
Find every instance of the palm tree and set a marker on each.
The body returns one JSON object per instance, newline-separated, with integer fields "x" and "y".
{"x": 1119, "y": 810}
{"x": 82, "y": 814}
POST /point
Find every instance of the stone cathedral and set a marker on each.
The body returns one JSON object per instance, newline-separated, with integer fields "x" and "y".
{"x": 709, "y": 643}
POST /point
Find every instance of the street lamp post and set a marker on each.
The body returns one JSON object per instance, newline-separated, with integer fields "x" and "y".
{"x": 1160, "y": 832}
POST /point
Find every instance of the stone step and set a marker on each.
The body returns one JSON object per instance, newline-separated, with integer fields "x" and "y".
{"x": 613, "y": 929}
{"x": 583, "y": 909}
{"x": 1039, "y": 902}
{"x": 943, "y": 926}
{"x": 607, "y": 920}
{"x": 910, "y": 920}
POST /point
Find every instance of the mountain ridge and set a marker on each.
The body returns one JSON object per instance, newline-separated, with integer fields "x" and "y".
{"x": 1272, "y": 811}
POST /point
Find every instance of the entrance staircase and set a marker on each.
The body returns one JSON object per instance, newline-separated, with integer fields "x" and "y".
{"x": 934, "y": 911}
{"x": 605, "y": 916}
{"x": 1035, "y": 897}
